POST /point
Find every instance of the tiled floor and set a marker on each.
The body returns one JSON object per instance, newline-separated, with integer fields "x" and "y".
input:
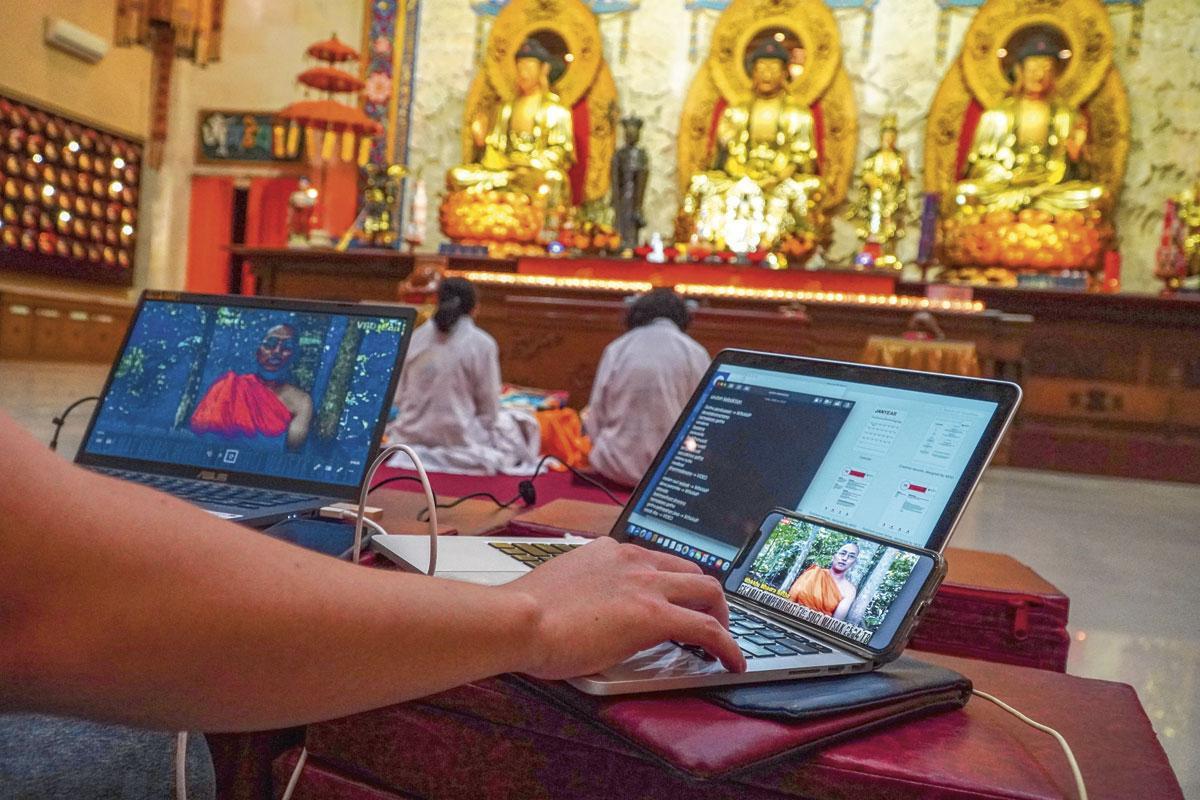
{"x": 1127, "y": 553}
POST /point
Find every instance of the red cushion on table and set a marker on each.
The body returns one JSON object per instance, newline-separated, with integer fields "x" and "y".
{"x": 992, "y": 606}
{"x": 506, "y": 742}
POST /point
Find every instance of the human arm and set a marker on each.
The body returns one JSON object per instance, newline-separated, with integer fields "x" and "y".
{"x": 596, "y": 417}
{"x": 486, "y": 387}
{"x": 300, "y": 404}
{"x": 843, "y": 608}
{"x": 121, "y": 603}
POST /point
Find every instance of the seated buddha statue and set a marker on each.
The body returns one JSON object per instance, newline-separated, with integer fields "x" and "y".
{"x": 763, "y": 185}
{"x": 531, "y": 144}
{"x": 1029, "y": 151}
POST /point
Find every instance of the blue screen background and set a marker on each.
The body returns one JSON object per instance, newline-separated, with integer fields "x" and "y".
{"x": 177, "y": 351}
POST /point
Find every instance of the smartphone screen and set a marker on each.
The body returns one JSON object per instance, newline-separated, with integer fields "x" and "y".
{"x": 856, "y": 587}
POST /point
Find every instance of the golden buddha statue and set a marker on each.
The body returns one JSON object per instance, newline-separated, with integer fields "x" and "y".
{"x": 1029, "y": 152}
{"x": 762, "y": 187}
{"x": 1027, "y": 200}
{"x": 531, "y": 144}
{"x": 880, "y": 210}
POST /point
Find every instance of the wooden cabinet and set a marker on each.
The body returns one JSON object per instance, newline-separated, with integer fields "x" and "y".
{"x": 1112, "y": 382}
{"x": 54, "y": 326}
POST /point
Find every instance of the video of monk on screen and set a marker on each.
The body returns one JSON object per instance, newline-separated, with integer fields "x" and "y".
{"x": 243, "y": 385}
{"x": 841, "y": 577}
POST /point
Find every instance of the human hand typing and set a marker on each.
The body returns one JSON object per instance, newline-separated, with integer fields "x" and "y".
{"x": 599, "y": 604}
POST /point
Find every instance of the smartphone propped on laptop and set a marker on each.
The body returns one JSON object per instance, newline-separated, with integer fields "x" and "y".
{"x": 891, "y": 582}
{"x": 807, "y": 598}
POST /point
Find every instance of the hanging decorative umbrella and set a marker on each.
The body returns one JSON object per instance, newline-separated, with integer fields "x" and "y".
{"x": 333, "y": 50}
{"x": 327, "y": 120}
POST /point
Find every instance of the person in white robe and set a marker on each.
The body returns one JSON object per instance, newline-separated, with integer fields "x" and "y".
{"x": 448, "y": 400}
{"x": 644, "y": 380}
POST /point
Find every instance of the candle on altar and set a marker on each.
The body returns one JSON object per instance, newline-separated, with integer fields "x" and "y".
{"x": 1112, "y": 271}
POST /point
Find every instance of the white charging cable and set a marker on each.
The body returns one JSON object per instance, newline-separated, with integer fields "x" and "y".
{"x": 1079, "y": 785}
{"x": 181, "y": 765}
{"x": 383, "y": 456}
{"x": 360, "y": 521}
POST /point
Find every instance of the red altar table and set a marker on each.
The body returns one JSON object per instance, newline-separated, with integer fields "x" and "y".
{"x": 495, "y": 739}
{"x": 741, "y": 275}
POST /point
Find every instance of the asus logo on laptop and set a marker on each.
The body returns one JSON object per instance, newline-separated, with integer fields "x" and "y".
{"x": 209, "y": 475}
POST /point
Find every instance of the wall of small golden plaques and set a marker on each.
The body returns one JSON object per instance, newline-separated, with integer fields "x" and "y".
{"x": 68, "y": 196}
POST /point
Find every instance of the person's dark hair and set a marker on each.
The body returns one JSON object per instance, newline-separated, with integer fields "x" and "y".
{"x": 456, "y": 298}
{"x": 657, "y": 303}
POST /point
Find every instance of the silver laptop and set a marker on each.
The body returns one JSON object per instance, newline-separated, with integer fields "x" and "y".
{"x": 894, "y": 453}
{"x": 255, "y": 409}
{"x": 806, "y": 598}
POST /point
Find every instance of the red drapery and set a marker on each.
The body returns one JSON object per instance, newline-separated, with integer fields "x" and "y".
{"x": 266, "y": 218}
{"x": 582, "y": 122}
{"x": 210, "y": 226}
{"x": 966, "y": 136}
{"x": 339, "y": 202}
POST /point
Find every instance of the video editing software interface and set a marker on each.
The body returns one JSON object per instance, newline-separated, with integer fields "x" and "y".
{"x": 285, "y": 394}
{"x": 874, "y": 458}
{"x": 853, "y": 587}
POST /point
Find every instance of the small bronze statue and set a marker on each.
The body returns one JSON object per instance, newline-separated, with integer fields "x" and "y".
{"x": 631, "y": 167}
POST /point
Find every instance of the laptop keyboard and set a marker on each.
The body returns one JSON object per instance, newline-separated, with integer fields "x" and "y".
{"x": 759, "y": 639}
{"x": 206, "y": 492}
{"x": 533, "y": 554}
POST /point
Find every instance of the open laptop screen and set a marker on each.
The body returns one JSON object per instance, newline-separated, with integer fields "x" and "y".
{"x": 274, "y": 389}
{"x": 888, "y": 452}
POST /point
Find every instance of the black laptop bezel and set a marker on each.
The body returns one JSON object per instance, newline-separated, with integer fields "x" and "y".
{"x": 1006, "y": 395}
{"x": 219, "y": 474}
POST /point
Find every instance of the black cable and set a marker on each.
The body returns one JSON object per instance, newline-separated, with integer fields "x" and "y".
{"x": 61, "y": 419}
{"x": 526, "y": 491}
{"x": 423, "y": 514}
{"x": 583, "y": 476}
{"x": 395, "y": 479}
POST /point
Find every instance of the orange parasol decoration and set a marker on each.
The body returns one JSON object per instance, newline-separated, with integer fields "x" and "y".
{"x": 327, "y": 120}
{"x": 328, "y": 79}
{"x": 333, "y": 50}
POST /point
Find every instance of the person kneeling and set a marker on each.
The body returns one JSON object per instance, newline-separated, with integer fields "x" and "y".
{"x": 644, "y": 380}
{"x": 448, "y": 402}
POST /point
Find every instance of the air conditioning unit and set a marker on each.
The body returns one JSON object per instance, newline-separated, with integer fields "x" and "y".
{"x": 74, "y": 40}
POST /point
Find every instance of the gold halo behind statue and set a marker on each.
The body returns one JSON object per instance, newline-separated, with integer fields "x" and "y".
{"x": 1085, "y": 82}
{"x": 549, "y": 143}
{"x": 573, "y": 27}
{"x": 823, "y": 80}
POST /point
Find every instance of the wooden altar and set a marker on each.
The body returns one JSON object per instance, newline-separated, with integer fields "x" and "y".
{"x": 1112, "y": 382}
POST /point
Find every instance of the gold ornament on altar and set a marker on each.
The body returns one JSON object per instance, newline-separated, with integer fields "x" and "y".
{"x": 880, "y": 209}
{"x": 1188, "y": 208}
{"x": 766, "y": 143}
{"x": 1027, "y": 141}
{"x": 522, "y": 172}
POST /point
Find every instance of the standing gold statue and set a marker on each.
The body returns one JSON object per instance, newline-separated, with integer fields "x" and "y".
{"x": 881, "y": 208}
{"x": 763, "y": 185}
{"x": 531, "y": 145}
{"x": 1027, "y": 200}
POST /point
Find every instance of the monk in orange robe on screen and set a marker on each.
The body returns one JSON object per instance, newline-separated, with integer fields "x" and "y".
{"x": 261, "y": 404}
{"x": 828, "y": 591}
